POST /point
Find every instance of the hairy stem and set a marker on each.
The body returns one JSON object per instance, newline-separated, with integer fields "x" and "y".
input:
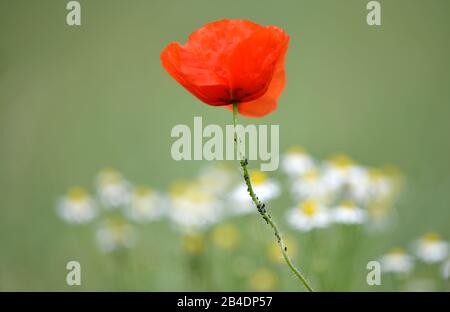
{"x": 262, "y": 207}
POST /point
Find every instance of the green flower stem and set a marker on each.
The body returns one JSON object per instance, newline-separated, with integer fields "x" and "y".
{"x": 262, "y": 207}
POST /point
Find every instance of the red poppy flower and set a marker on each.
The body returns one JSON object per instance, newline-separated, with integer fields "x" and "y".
{"x": 231, "y": 61}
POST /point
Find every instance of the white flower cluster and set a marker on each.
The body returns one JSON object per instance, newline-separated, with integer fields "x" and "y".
{"x": 118, "y": 203}
{"x": 429, "y": 249}
{"x": 190, "y": 206}
{"x": 217, "y": 193}
{"x": 337, "y": 190}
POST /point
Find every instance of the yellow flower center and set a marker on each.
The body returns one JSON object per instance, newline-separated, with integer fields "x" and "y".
{"x": 309, "y": 207}
{"x": 178, "y": 188}
{"x": 198, "y": 196}
{"x": 396, "y": 251}
{"x": 142, "y": 191}
{"x": 274, "y": 253}
{"x": 76, "y": 194}
{"x": 118, "y": 228}
{"x": 109, "y": 176}
{"x": 348, "y": 204}
{"x": 193, "y": 243}
{"x": 375, "y": 174}
{"x": 258, "y": 177}
{"x": 431, "y": 237}
{"x": 226, "y": 236}
{"x": 342, "y": 161}
{"x": 263, "y": 280}
{"x": 311, "y": 175}
{"x": 296, "y": 149}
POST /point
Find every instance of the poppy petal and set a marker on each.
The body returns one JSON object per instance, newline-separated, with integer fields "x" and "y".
{"x": 231, "y": 60}
{"x": 202, "y": 82}
{"x": 268, "y": 102}
{"x": 215, "y": 42}
{"x": 253, "y": 63}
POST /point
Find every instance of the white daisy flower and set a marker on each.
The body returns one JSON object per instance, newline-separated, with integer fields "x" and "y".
{"x": 113, "y": 190}
{"x": 115, "y": 234}
{"x": 348, "y": 213}
{"x": 381, "y": 185}
{"x": 266, "y": 189}
{"x": 310, "y": 185}
{"x": 145, "y": 205}
{"x": 336, "y": 172}
{"x": 358, "y": 183}
{"x": 431, "y": 249}
{"x": 309, "y": 215}
{"x": 445, "y": 269}
{"x": 384, "y": 185}
{"x": 397, "y": 261}
{"x": 192, "y": 208}
{"x": 217, "y": 179}
{"x": 77, "y": 206}
{"x": 297, "y": 162}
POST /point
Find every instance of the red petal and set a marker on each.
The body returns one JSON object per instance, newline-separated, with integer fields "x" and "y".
{"x": 268, "y": 102}
{"x": 253, "y": 62}
{"x": 201, "y": 66}
{"x": 231, "y": 60}
{"x": 194, "y": 76}
{"x": 218, "y": 39}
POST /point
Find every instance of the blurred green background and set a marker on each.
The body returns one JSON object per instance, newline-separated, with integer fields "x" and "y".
{"x": 76, "y": 99}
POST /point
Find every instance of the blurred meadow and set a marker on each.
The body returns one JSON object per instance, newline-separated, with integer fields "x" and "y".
{"x": 76, "y": 100}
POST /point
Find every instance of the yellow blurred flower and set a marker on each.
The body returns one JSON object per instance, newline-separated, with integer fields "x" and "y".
{"x": 263, "y": 280}
{"x": 309, "y": 215}
{"x": 226, "y": 236}
{"x": 341, "y": 161}
{"x": 77, "y": 206}
{"x": 193, "y": 243}
{"x": 296, "y": 149}
{"x": 258, "y": 177}
{"x": 178, "y": 188}
{"x": 146, "y": 205}
{"x": 309, "y": 207}
{"x": 115, "y": 233}
{"x": 112, "y": 188}
{"x": 192, "y": 208}
{"x": 274, "y": 253}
